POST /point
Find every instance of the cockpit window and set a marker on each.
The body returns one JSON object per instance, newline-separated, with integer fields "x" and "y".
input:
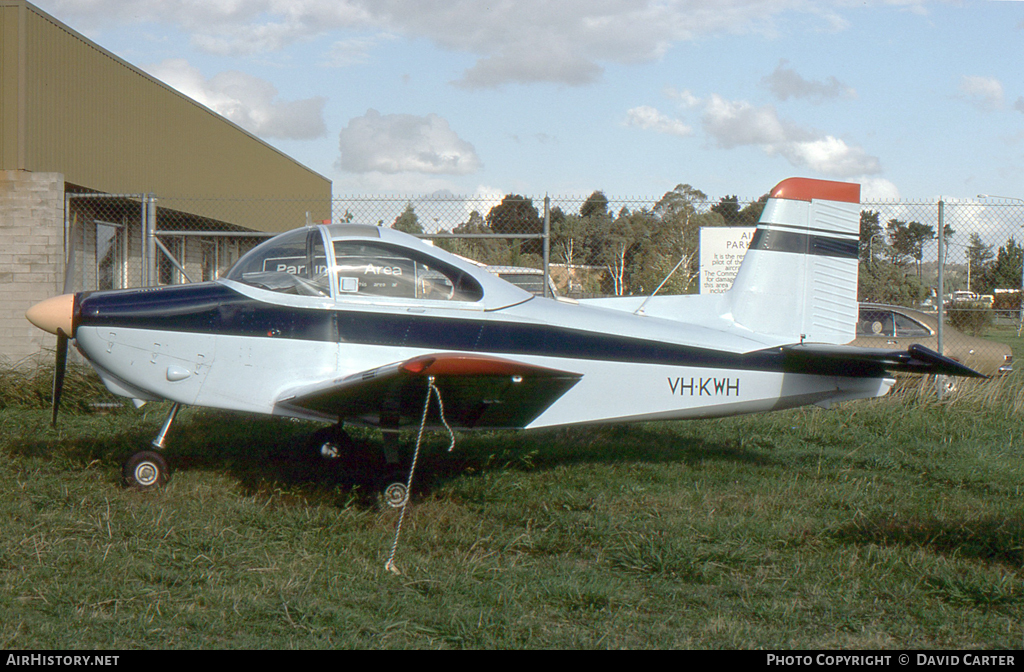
{"x": 292, "y": 263}
{"x": 371, "y": 269}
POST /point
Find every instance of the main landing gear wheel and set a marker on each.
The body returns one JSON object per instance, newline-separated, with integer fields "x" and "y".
{"x": 329, "y": 443}
{"x": 145, "y": 470}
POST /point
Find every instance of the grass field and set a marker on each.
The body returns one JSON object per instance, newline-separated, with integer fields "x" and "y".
{"x": 895, "y": 523}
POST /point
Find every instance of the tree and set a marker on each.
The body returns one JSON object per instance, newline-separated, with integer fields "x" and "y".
{"x": 907, "y": 241}
{"x": 408, "y": 221}
{"x": 596, "y": 204}
{"x": 979, "y": 262}
{"x": 1006, "y": 271}
{"x": 728, "y": 207}
{"x": 623, "y": 241}
{"x": 886, "y": 282}
{"x": 484, "y": 250}
{"x": 568, "y": 240}
{"x": 677, "y": 211}
{"x": 517, "y": 215}
{"x": 751, "y": 214}
{"x": 872, "y": 238}
{"x": 680, "y": 202}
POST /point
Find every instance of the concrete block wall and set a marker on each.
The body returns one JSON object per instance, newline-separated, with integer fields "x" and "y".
{"x": 31, "y": 260}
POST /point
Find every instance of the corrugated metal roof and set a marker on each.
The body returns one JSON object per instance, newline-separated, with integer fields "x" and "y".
{"x": 69, "y": 106}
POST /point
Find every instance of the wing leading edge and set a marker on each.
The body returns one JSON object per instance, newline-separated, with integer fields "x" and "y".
{"x": 843, "y": 360}
{"x": 478, "y": 392}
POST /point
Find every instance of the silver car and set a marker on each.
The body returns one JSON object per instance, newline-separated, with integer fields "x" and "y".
{"x": 896, "y": 327}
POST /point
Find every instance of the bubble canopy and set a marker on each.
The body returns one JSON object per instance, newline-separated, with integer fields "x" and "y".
{"x": 354, "y": 262}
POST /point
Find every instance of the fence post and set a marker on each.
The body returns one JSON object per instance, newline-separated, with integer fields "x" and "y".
{"x": 150, "y": 219}
{"x": 144, "y": 236}
{"x": 547, "y": 245}
{"x": 940, "y": 289}
{"x": 68, "y": 242}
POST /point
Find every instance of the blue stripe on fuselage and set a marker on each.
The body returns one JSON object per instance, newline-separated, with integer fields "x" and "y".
{"x": 212, "y": 308}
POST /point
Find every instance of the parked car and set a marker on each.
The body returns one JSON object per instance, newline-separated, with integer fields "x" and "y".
{"x": 882, "y": 326}
{"x": 530, "y": 279}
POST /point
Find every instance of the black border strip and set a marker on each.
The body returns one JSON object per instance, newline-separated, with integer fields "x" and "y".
{"x": 804, "y": 243}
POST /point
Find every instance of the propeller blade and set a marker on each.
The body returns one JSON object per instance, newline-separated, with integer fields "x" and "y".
{"x": 58, "y": 372}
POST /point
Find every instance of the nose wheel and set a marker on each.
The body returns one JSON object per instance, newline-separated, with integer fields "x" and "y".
{"x": 145, "y": 470}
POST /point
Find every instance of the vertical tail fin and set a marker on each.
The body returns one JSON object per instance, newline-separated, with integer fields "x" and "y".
{"x": 798, "y": 279}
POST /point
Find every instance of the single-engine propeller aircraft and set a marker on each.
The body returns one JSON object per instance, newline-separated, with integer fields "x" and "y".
{"x": 359, "y": 324}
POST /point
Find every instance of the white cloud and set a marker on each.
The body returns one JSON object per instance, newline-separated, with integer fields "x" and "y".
{"x": 568, "y": 42}
{"x": 831, "y": 156}
{"x": 444, "y": 210}
{"x": 684, "y": 98}
{"x": 786, "y": 83}
{"x": 734, "y": 124}
{"x": 520, "y": 64}
{"x": 353, "y": 51}
{"x": 225, "y": 27}
{"x": 526, "y": 41}
{"x": 738, "y": 124}
{"x": 986, "y": 93}
{"x": 650, "y": 119}
{"x": 397, "y": 143}
{"x": 249, "y": 101}
{"x": 878, "y": 189}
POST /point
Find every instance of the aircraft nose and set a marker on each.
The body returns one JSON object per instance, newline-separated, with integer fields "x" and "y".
{"x": 53, "y": 314}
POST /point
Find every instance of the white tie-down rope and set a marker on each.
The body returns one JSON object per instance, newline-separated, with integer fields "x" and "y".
{"x": 431, "y": 390}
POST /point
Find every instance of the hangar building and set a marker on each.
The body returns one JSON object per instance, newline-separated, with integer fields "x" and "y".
{"x": 138, "y": 183}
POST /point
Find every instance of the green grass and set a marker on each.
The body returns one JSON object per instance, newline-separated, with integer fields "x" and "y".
{"x": 1005, "y": 333}
{"x": 895, "y": 523}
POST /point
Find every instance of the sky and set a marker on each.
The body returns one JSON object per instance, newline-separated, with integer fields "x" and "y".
{"x": 912, "y": 99}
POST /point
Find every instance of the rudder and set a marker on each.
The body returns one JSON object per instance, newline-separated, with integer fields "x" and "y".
{"x": 798, "y": 279}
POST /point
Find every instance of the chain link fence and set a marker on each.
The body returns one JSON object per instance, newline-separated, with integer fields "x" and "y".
{"x": 587, "y": 246}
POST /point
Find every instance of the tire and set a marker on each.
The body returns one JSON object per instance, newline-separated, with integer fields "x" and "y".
{"x": 145, "y": 470}
{"x": 329, "y": 444}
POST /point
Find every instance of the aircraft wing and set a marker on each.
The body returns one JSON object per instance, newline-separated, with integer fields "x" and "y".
{"x": 844, "y": 360}
{"x": 477, "y": 392}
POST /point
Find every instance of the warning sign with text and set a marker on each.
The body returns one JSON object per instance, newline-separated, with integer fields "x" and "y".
{"x": 721, "y": 251}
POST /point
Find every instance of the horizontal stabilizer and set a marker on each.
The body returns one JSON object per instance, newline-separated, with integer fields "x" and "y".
{"x": 477, "y": 392}
{"x": 843, "y": 360}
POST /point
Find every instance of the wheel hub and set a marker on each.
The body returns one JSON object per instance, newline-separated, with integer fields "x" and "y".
{"x": 396, "y": 495}
{"x": 146, "y": 474}
{"x": 329, "y": 450}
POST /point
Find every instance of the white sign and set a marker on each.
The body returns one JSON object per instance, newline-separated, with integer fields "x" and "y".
{"x": 721, "y": 250}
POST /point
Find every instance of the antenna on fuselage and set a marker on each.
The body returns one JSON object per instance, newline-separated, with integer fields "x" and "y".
{"x": 640, "y": 310}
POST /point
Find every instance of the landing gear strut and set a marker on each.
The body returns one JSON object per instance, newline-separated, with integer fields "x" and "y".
{"x": 393, "y": 482}
{"x": 147, "y": 469}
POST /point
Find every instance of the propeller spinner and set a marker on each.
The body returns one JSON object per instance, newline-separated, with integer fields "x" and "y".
{"x": 56, "y": 315}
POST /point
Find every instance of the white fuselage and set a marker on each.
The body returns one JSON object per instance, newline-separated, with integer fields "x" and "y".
{"x": 252, "y": 373}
